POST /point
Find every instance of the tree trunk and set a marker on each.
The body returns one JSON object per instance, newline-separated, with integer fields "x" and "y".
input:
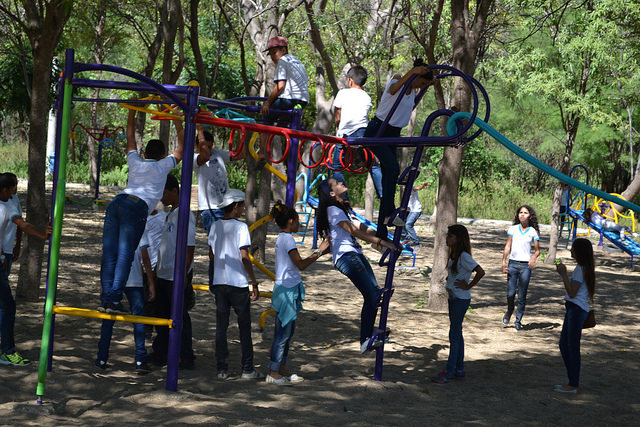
{"x": 465, "y": 37}
{"x": 572, "y": 132}
{"x": 44, "y": 32}
{"x": 172, "y": 26}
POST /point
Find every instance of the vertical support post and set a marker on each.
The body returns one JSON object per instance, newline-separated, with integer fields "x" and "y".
{"x": 54, "y": 250}
{"x": 292, "y": 161}
{"x": 184, "y": 213}
{"x": 56, "y": 168}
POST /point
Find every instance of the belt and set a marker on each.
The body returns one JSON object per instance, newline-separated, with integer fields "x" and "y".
{"x": 134, "y": 198}
{"x": 520, "y": 262}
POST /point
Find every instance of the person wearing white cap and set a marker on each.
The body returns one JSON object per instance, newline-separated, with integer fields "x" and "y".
{"x": 291, "y": 85}
{"x": 229, "y": 240}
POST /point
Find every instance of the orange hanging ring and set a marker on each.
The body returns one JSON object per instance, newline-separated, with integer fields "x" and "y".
{"x": 366, "y": 166}
{"x": 329, "y": 160}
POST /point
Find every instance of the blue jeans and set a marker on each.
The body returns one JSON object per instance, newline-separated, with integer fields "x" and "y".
{"x": 390, "y": 170}
{"x": 124, "y": 224}
{"x": 209, "y": 216}
{"x": 227, "y": 297}
{"x": 376, "y": 176}
{"x": 457, "y": 309}
{"x": 281, "y": 341}
{"x": 7, "y": 314}
{"x": 570, "y": 336}
{"x": 518, "y": 277}
{"x": 135, "y": 296}
{"x": 409, "y": 232}
{"x": 356, "y": 267}
{"x": 8, "y": 259}
{"x": 335, "y": 158}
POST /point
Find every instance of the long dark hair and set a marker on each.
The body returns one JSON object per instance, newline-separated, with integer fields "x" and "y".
{"x": 583, "y": 250}
{"x": 325, "y": 199}
{"x": 463, "y": 244}
{"x": 533, "y": 218}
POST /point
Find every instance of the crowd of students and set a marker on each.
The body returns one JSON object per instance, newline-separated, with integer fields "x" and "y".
{"x": 139, "y": 241}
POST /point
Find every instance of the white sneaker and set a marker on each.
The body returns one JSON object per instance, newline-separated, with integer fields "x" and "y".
{"x": 223, "y": 375}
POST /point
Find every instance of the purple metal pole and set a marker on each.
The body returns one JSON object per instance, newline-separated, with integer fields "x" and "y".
{"x": 98, "y": 170}
{"x": 292, "y": 161}
{"x": 184, "y": 212}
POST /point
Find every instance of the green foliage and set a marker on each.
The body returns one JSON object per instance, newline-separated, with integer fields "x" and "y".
{"x": 14, "y": 159}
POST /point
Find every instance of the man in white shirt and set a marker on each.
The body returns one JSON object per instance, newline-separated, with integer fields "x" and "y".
{"x": 291, "y": 86}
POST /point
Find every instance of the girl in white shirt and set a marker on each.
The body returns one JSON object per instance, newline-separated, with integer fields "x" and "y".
{"x": 521, "y": 235}
{"x": 579, "y": 292}
{"x": 288, "y": 291}
{"x": 334, "y": 222}
{"x": 459, "y": 282}
{"x": 386, "y": 154}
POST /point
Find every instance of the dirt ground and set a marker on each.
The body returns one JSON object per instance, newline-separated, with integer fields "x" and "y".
{"x": 510, "y": 375}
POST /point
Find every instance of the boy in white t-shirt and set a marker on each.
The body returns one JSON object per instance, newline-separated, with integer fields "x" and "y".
{"x": 352, "y": 107}
{"x": 164, "y": 280}
{"x": 135, "y": 294}
{"x": 229, "y": 240}
{"x": 9, "y": 215}
{"x": 209, "y": 166}
{"x": 127, "y": 213}
{"x": 13, "y": 235}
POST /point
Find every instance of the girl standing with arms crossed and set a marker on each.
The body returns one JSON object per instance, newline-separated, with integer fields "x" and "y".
{"x": 333, "y": 222}
{"x": 288, "y": 291}
{"x": 579, "y": 292}
{"x": 521, "y": 235}
{"x": 460, "y": 266}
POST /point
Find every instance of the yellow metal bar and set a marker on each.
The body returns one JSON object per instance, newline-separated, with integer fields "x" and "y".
{"x": 94, "y": 314}
{"x": 259, "y": 222}
{"x": 270, "y": 168}
{"x": 206, "y": 289}
{"x": 263, "y": 317}
{"x": 262, "y": 267}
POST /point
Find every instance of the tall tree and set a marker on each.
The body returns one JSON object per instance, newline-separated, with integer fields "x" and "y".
{"x": 43, "y": 23}
{"x": 467, "y": 30}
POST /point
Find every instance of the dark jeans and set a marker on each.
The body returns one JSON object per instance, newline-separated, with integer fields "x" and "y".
{"x": 518, "y": 277}
{"x": 124, "y": 224}
{"x": 281, "y": 341}
{"x": 228, "y": 297}
{"x": 356, "y": 267}
{"x": 409, "y": 232}
{"x": 135, "y": 296}
{"x": 7, "y": 314}
{"x": 570, "y": 336}
{"x": 284, "y": 105}
{"x": 457, "y": 309}
{"x": 164, "y": 291}
{"x": 8, "y": 259}
{"x": 390, "y": 170}
{"x": 209, "y": 216}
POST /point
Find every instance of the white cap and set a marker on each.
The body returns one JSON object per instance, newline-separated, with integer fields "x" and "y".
{"x": 231, "y": 196}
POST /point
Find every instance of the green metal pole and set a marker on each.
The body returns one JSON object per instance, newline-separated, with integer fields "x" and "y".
{"x": 54, "y": 252}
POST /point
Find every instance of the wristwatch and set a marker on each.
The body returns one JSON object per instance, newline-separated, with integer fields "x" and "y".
{"x": 317, "y": 252}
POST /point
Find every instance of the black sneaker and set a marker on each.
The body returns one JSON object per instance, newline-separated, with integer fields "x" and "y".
{"x": 506, "y": 318}
{"x": 100, "y": 364}
{"x": 103, "y": 307}
{"x": 116, "y": 308}
{"x": 518, "y": 326}
{"x": 142, "y": 368}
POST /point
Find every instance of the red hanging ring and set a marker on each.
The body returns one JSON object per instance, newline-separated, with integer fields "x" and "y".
{"x": 350, "y": 156}
{"x": 366, "y": 166}
{"x": 313, "y": 163}
{"x": 236, "y": 153}
{"x": 287, "y": 146}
